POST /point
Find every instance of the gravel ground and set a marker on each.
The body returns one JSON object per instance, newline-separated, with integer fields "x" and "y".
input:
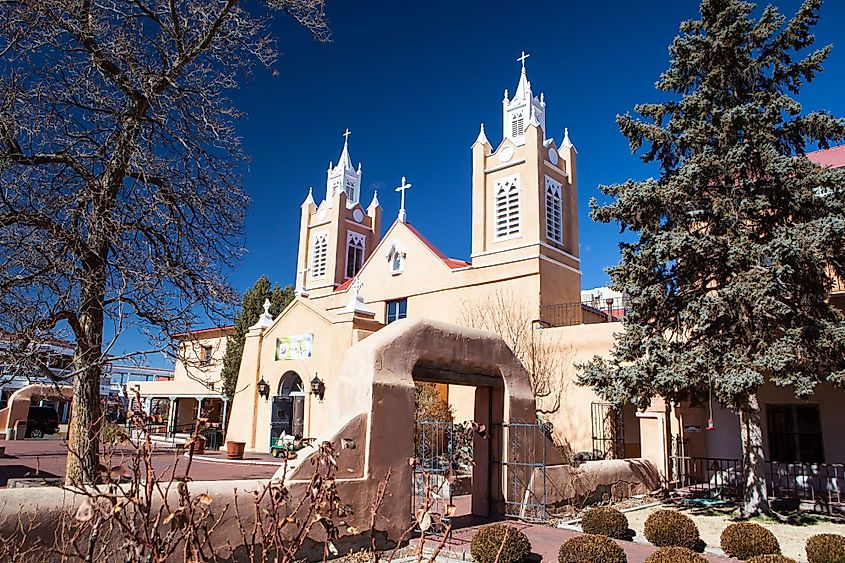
{"x": 712, "y": 521}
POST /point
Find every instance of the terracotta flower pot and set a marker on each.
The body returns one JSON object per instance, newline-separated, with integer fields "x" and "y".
{"x": 199, "y": 445}
{"x": 235, "y": 450}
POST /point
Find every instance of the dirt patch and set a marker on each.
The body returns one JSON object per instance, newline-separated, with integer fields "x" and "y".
{"x": 712, "y": 520}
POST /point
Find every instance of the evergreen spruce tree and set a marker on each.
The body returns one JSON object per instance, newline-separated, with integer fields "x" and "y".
{"x": 740, "y": 233}
{"x": 252, "y": 308}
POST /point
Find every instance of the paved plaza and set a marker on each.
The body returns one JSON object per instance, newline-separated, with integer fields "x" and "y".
{"x": 46, "y": 459}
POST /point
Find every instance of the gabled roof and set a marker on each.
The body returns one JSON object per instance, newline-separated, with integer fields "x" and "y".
{"x": 451, "y": 263}
{"x": 833, "y": 157}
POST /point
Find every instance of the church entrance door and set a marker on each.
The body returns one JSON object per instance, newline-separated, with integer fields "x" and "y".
{"x": 287, "y": 416}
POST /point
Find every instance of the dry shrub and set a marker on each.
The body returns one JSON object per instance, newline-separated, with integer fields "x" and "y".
{"x": 500, "y": 543}
{"x": 675, "y": 555}
{"x": 670, "y": 528}
{"x": 744, "y": 540}
{"x": 590, "y": 547}
{"x": 605, "y": 521}
{"x": 826, "y": 548}
{"x": 771, "y": 558}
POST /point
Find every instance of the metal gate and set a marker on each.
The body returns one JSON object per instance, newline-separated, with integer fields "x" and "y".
{"x": 524, "y": 469}
{"x": 608, "y": 431}
{"x": 442, "y": 455}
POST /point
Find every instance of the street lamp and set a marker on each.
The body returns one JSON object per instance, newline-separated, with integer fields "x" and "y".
{"x": 263, "y": 389}
{"x": 318, "y": 388}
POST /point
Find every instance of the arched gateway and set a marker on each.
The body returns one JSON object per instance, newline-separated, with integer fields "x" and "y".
{"x": 377, "y": 413}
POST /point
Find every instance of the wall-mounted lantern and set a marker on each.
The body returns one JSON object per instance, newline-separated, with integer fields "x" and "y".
{"x": 318, "y": 388}
{"x": 263, "y": 389}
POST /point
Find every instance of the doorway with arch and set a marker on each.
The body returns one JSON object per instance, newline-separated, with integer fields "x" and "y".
{"x": 287, "y": 416}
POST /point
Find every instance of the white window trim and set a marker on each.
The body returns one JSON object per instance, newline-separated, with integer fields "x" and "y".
{"x": 558, "y": 188}
{"x": 350, "y": 237}
{"x": 498, "y": 187}
{"x": 392, "y": 251}
{"x": 322, "y": 236}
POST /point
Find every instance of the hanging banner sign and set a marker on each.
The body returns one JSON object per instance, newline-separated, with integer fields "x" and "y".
{"x": 294, "y": 347}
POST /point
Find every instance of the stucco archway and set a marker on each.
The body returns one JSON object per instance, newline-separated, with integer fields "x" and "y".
{"x": 18, "y": 406}
{"x": 377, "y": 386}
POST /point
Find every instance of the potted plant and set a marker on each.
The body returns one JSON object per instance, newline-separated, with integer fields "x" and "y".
{"x": 235, "y": 450}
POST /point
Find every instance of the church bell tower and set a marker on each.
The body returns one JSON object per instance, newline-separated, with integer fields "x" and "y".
{"x": 525, "y": 198}
{"x": 336, "y": 236}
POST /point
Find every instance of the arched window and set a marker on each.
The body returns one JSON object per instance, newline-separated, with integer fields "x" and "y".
{"x": 554, "y": 211}
{"x": 290, "y": 383}
{"x": 319, "y": 253}
{"x": 507, "y": 207}
{"x": 355, "y": 245}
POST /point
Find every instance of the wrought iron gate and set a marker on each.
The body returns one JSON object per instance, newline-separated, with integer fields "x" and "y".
{"x": 608, "y": 431}
{"x": 442, "y": 454}
{"x": 524, "y": 469}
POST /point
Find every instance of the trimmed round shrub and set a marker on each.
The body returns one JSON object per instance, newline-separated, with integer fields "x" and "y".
{"x": 670, "y": 528}
{"x": 675, "y": 555}
{"x": 744, "y": 540}
{"x": 591, "y": 547}
{"x": 487, "y": 542}
{"x": 605, "y": 521}
{"x": 771, "y": 559}
{"x": 826, "y": 548}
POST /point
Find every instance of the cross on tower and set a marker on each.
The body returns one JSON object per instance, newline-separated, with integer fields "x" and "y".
{"x": 346, "y": 135}
{"x": 522, "y": 59}
{"x": 401, "y": 189}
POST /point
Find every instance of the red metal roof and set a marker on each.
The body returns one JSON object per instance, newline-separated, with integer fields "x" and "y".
{"x": 451, "y": 262}
{"x": 833, "y": 157}
{"x": 202, "y": 331}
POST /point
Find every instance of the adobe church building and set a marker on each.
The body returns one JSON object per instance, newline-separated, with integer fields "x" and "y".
{"x": 352, "y": 281}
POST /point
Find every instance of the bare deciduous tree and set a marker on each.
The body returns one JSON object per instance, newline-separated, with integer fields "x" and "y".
{"x": 120, "y": 172}
{"x": 542, "y": 354}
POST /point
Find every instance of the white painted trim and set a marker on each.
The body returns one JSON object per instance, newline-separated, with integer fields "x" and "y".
{"x": 556, "y": 169}
{"x": 527, "y": 244}
{"x": 504, "y": 166}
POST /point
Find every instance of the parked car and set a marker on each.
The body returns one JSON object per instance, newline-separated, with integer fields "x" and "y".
{"x": 41, "y": 421}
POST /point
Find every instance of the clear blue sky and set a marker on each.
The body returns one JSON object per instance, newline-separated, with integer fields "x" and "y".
{"x": 413, "y": 81}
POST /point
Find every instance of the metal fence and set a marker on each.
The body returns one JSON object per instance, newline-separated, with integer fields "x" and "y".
{"x": 722, "y": 477}
{"x": 592, "y": 310}
{"x": 524, "y": 465}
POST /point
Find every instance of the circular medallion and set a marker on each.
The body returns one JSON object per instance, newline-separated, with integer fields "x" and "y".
{"x": 358, "y": 215}
{"x": 506, "y": 154}
{"x": 553, "y": 156}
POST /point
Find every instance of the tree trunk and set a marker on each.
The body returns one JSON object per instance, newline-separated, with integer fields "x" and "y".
{"x": 755, "y": 499}
{"x": 85, "y": 416}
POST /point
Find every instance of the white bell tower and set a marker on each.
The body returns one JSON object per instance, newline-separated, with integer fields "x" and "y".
{"x": 344, "y": 177}
{"x": 522, "y": 109}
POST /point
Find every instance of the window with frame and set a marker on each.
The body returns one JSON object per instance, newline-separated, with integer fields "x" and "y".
{"x": 396, "y": 310}
{"x": 355, "y": 245}
{"x": 554, "y": 211}
{"x": 795, "y": 433}
{"x": 205, "y": 355}
{"x": 517, "y": 125}
{"x": 319, "y": 254}
{"x": 350, "y": 191}
{"x": 507, "y": 207}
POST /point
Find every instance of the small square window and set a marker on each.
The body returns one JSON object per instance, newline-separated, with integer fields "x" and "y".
{"x": 396, "y": 310}
{"x": 205, "y": 355}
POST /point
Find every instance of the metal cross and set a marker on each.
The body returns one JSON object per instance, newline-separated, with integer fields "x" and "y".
{"x": 401, "y": 189}
{"x": 522, "y": 59}
{"x": 346, "y": 135}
